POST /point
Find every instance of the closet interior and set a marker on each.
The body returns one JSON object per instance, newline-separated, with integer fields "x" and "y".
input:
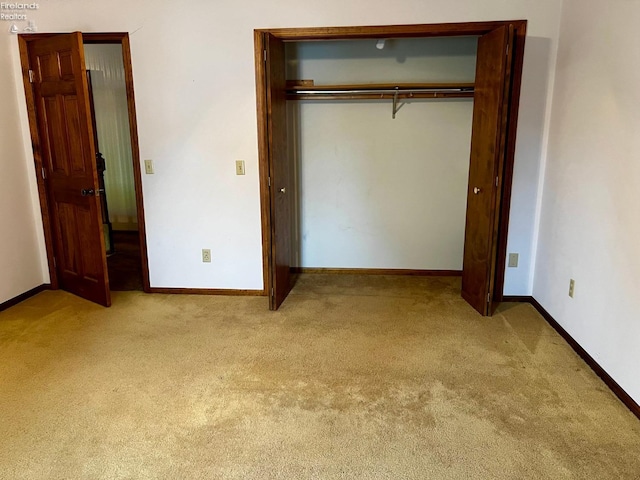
{"x": 388, "y": 149}
{"x": 379, "y": 133}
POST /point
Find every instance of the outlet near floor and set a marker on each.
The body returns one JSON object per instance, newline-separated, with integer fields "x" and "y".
{"x": 206, "y": 255}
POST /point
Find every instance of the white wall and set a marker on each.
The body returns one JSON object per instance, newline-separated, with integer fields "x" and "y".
{"x": 21, "y": 261}
{"x": 378, "y": 192}
{"x": 590, "y": 228}
{"x": 195, "y": 92}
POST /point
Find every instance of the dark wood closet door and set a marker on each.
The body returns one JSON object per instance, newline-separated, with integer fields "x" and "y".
{"x": 68, "y": 155}
{"x": 280, "y": 191}
{"x": 485, "y": 171}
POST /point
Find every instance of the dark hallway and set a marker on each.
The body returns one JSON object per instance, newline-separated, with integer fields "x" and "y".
{"x": 125, "y": 264}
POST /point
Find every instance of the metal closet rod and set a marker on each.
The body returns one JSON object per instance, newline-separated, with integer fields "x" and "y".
{"x": 395, "y": 93}
{"x": 381, "y": 91}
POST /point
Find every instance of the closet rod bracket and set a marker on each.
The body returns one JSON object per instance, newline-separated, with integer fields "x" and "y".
{"x": 395, "y": 104}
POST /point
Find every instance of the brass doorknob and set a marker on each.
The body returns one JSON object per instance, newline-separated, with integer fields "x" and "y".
{"x": 87, "y": 192}
{"x": 283, "y": 190}
{"x": 476, "y": 190}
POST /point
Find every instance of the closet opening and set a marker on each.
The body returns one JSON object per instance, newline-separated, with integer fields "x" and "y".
{"x": 388, "y": 150}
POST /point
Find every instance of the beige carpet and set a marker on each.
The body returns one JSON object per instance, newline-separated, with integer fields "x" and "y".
{"x": 355, "y": 377}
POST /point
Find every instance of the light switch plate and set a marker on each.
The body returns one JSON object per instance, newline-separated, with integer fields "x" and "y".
{"x": 239, "y": 167}
{"x": 148, "y": 167}
{"x": 513, "y": 260}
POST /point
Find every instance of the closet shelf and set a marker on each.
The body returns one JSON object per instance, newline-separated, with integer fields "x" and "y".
{"x": 373, "y": 91}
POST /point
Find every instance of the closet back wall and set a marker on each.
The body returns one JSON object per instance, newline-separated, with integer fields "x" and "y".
{"x": 377, "y": 192}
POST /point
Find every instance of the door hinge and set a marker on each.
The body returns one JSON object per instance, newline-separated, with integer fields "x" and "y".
{"x": 269, "y": 181}
{"x": 272, "y": 291}
{"x": 55, "y": 264}
{"x": 496, "y": 181}
{"x": 31, "y": 76}
{"x": 507, "y": 53}
{"x": 44, "y": 174}
{"x": 264, "y": 55}
{"x": 489, "y": 297}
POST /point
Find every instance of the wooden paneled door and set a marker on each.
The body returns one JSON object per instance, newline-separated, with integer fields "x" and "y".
{"x": 490, "y": 110}
{"x": 280, "y": 171}
{"x": 67, "y": 151}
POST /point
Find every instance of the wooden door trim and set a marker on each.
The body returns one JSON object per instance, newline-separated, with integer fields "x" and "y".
{"x": 394, "y": 31}
{"x": 92, "y": 38}
{"x": 104, "y": 37}
{"x": 135, "y": 152}
{"x": 388, "y": 31}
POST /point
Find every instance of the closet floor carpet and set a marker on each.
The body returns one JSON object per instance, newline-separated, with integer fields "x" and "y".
{"x": 355, "y": 377}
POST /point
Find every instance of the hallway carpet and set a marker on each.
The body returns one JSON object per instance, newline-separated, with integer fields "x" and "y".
{"x": 125, "y": 264}
{"x": 354, "y": 378}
